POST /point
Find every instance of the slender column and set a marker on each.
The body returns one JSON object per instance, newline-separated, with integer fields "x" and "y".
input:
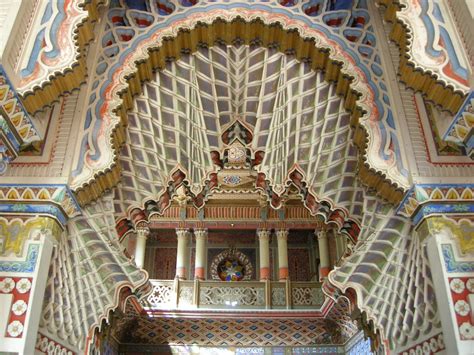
{"x": 324, "y": 266}
{"x": 264, "y": 251}
{"x": 142, "y": 235}
{"x": 182, "y": 253}
{"x": 282, "y": 236}
{"x": 200, "y": 262}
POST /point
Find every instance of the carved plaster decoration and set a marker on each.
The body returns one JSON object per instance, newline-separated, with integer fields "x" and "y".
{"x": 432, "y": 57}
{"x": 382, "y": 156}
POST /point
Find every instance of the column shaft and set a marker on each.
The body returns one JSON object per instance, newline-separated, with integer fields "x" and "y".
{"x": 264, "y": 251}
{"x": 182, "y": 253}
{"x": 200, "y": 262}
{"x": 282, "y": 237}
{"x": 140, "y": 248}
{"x": 324, "y": 266}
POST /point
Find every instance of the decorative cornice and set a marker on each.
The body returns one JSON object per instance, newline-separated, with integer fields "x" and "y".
{"x": 435, "y": 77}
{"x": 56, "y": 201}
{"x": 267, "y": 29}
{"x": 424, "y": 200}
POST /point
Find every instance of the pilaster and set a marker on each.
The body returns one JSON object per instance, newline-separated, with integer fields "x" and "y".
{"x": 25, "y": 256}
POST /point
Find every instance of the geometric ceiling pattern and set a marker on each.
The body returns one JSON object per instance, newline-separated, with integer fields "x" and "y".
{"x": 88, "y": 274}
{"x": 336, "y": 328}
{"x": 390, "y": 272}
{"x": 296, "y": 118}
{"x": 130, "y": 28}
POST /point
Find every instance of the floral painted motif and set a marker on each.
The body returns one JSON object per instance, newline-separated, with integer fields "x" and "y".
{"x": 50, "y": 347}
{"x": 15, "y": 328}
{"x": 467, "y": 331}
{"x": 7, "y": 285}
{"x": 23, "y": 286}
{"x": 429, "y": 346}
{"x": 19, "y": 288}
{"x": 462, "y": 308}
{"x": 461, "y": 289}
{"x": 457, "y": 285}
{"x": 470, "y": 285}
{"x": 19, "y": 307}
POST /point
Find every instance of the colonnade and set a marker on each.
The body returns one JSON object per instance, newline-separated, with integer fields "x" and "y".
{"x": 184, "y": 238}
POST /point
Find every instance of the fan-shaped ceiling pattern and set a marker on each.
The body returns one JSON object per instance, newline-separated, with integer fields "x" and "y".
{"x": 296, "y": 118}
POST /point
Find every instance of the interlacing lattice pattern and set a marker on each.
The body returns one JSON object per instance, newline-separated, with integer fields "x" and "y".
{"x": 307, "y": 296}
{"x": 390, "y": 272}
{"x": 87, "y": 271}
{"x": 296, "y": 116}
{"x": 232, "y": 296}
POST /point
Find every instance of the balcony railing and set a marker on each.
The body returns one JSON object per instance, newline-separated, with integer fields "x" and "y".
{"x": 244, "y": 295}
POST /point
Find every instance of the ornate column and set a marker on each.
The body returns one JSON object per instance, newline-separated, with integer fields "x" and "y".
{"x": 264, "y": 252}
{"x": 200, "y": 262}
{"x": 142, "y": 235}
{"x": 282, "y": 236}
{"x": 324, "y": 265}
{"x": 182, "y": 253}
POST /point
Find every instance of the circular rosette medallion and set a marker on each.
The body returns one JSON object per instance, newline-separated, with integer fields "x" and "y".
{"x": 230, "y": 269}
{"x": 231, "y": 265}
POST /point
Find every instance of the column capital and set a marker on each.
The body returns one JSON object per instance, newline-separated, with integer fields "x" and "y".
{"x": 321, "y": 234}
{"x": 183, "y": 232}
{"x": 263, "y": 234}
{"x": 142, "y": 230}
{"x": 201, "y": 233}
{"x": 282, "y": 233}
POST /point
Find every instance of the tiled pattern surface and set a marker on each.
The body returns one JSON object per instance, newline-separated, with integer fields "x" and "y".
{"x": 336, "y": 328}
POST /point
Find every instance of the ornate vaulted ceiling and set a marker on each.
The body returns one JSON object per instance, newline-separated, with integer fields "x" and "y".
{"x": 296, "y": 118}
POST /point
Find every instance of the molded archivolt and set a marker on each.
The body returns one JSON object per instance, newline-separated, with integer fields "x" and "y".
{"x": 380, "y": 164}
{"x": 55, "y": 59}
{"x": 432, "y": 59}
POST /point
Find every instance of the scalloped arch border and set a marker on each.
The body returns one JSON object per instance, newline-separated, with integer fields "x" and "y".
{"x": 412, "y": 74}
{"x": 269, "y": 29}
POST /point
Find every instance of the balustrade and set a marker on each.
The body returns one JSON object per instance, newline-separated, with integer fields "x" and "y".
{"x": 243, "y": 295}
